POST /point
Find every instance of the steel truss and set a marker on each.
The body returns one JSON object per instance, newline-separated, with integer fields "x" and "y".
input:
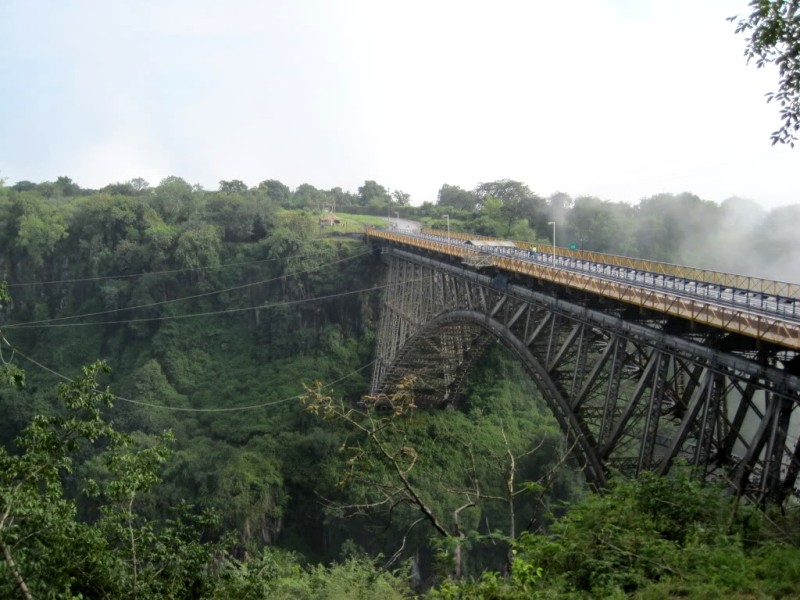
{"x": 628, "y": 395}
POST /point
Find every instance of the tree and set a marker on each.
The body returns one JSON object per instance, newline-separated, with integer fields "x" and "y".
{"x": 373, "y": 193}
{"x": 234, "y": 186}
{"x": 67, "y": 187}
{"x": 665, "y": 233}
{"x": 239, "y": 216}
{"x": 307, "y": 196}
{"x": 276, "y": 191}
{"x": 40, "y": 225}
{"x": 44, "y": 547}
{"x": 139, "y": 185}
{"x": 773, "y": 29}
{"x": 118, "y": 189}
{"x": 452, "y": 195}
{"x": 402, "y": 198}
{"x": 597, "y": 225}
{"x": 199, "y": 247}
{"x": 338, "y": 197}
{"x": 24, "y": 186}
{"x": 173, "y": 199}
{"x": 517, "y": 200}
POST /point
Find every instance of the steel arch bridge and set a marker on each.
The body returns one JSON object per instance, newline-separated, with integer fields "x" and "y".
{"x": 633, "y": 388}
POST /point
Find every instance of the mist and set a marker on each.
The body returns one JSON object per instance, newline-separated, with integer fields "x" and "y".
{"x": 748, "y": 240}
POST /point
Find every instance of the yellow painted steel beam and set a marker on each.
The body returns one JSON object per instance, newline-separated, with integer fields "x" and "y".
{"x": 762, "y": 327}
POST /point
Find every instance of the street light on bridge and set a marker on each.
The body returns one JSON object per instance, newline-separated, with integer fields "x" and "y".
{"x": 447, "y": 218}
{"x": 553, "y": 223}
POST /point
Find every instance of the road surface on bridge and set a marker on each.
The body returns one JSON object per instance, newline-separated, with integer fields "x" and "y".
{"x": 749, "y": 300}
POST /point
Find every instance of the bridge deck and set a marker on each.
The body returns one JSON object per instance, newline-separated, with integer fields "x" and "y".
{"x": 759, "y": 308}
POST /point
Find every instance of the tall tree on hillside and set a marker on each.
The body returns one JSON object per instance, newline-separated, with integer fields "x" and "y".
{"x": 173, "y": 199}
{"x": 338, "y": 197}
{"x": 452, "y": 195}
{"x": 401, "y": 198}
{"x": 139, "y": 185}
{"x": 373, "y": 193}
{"x": 518, "y": 201}
{"x": 234, "y": 186}
{"x": 40, "y": 224}
{"x": 276, "y": 191}
{"x": 307, "y": 196}
{"x": 773, "y": 29}
{"x": 66, "y": 187}
{"x": 599, "y": 225}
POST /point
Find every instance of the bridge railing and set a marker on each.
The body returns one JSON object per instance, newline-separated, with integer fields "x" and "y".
{"x": 718, "y": 278}
{"x": 771, "y": 328}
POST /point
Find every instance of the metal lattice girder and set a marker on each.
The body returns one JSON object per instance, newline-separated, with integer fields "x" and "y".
{"x": 627, "y": 395}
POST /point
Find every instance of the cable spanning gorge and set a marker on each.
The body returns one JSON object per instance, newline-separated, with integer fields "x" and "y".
{"x": 644, "y": 364}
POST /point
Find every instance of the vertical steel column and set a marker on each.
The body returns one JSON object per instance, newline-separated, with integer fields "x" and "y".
{"x": 653, "y": 414}
{"x": 612, "y": 393}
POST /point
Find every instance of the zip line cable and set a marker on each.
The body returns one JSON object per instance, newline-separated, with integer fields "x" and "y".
{"x": 204, "y": 314}
{"x": 39, "y": 325}
{"x": 183, "y": 408}
{"x": 165, "y": 272}
{"x": 163, "y": 302}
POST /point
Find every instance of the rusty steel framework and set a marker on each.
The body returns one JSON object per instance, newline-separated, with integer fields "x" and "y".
{"x": 631, "y": 394}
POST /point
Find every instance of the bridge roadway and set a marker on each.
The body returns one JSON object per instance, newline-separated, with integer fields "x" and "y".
{"x": 758, "y": 308}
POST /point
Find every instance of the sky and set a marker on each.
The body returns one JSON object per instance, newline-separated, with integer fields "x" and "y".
{"x": 619, "y": 99}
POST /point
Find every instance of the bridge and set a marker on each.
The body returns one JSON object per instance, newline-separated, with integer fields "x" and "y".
{"x": 644, "y": 364}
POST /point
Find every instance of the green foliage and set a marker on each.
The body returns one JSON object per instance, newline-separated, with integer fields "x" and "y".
{"x": 773, "y": 29}
{"x": 473, "y": 477}
{"x": 372, "y": 193}
{"x": 277, "y": 575}
{"x": 48, "y": 552}
{"x": 272, "y": 473}
{"x": 42, "y": 543}
{"x": 655, "y": 536}
{"x": 515, "y": 201}
{"x": 198, "y": 247}
{"x": 39, "y": 226}
{"x": 455, "y": 197}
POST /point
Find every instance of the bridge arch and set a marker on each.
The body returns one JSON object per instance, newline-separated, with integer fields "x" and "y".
{"x": 474, "y": 329}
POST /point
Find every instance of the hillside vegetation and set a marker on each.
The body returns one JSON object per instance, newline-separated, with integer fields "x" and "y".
{"x": 234, "y": 456}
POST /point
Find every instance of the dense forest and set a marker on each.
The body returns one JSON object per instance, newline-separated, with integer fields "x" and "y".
{"x": 184, "y": 375}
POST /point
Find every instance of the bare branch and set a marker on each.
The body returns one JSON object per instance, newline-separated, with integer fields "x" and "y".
{"x": 399, "y": 552}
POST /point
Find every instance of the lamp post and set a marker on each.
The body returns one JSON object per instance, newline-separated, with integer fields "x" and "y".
{"x": 553, "y": 223}
{"x": 447, "y": 218}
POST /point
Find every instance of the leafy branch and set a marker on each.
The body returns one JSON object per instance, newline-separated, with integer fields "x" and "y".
{"x": 773, "y": 29}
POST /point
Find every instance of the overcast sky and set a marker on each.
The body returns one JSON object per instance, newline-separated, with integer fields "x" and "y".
{"x": 620, "y": 99}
